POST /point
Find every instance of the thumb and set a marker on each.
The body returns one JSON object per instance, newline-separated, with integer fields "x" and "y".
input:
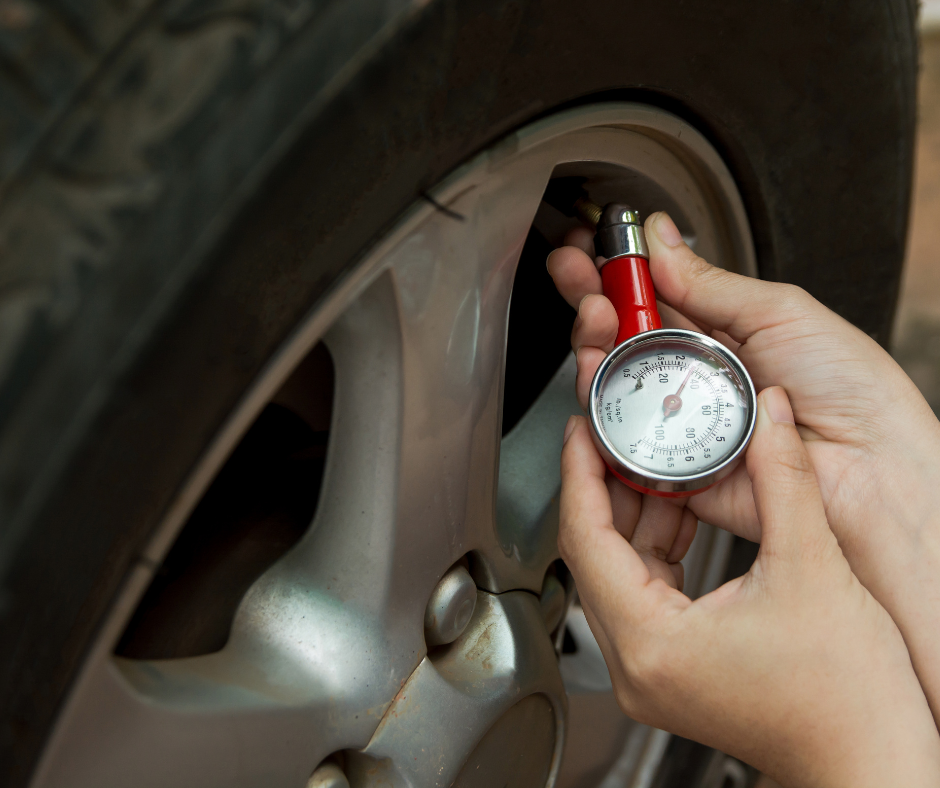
{"x": 712, "y": 297}
{"x": 786, "y": 495}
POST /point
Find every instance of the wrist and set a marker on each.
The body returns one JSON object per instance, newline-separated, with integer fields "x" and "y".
{"x": 888, "y": 531}
{"x": 911, "y": 595}
{"x": 897, "y": 557}
{"x": 878, "y": 737}
{"x": 892, "y": 542}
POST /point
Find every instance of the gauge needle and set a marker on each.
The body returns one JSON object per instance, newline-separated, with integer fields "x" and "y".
{"x": 673, "y": 402}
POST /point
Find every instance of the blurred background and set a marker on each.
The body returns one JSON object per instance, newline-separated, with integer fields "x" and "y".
{"x": 917, "y": 330}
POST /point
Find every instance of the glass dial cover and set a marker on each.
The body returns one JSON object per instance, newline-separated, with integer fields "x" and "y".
{"x": 672, "y": 410}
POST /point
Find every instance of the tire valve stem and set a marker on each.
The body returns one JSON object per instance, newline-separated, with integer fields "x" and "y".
{"x": 588, "y": 212}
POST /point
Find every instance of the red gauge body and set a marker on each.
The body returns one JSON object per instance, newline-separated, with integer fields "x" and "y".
{"x": 672, "y": 411}
{"x": 625, "y": 274}
{"x": 629, "y": 286}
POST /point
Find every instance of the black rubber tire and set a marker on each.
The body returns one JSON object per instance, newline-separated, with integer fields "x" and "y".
{"x": 182, "y": 181}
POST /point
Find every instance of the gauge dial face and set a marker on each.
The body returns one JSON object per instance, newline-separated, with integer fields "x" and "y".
{"x": 674, "y": 406}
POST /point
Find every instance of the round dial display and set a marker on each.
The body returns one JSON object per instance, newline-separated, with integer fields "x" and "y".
{"x": 672, "y": 405}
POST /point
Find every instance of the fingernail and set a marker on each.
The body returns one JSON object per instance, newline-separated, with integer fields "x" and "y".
{"x": 666, "y": 230}
{"x": 778, "y": 405}
{"x": 569, "y": 427}
{"x": 547, "y": 260}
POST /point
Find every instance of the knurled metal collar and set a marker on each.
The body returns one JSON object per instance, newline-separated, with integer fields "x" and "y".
{"x": 619, "y": 234}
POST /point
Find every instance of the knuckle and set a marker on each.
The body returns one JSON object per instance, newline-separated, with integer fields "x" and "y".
{"x": 787, "y": 466}
{"x": 795, "y": 461}
{"x": 645, "y": 665}
{"x": 793, "y": 298}
{"x": 704, "y": 275}
{"x": 628, "y": 702}
{"x": 700, "y": 268}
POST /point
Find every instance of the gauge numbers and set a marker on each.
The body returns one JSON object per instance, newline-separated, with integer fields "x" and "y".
{"x": 673, "y": 408}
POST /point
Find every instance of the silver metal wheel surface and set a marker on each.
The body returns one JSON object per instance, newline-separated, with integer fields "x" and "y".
{"x": 411, "y": 636}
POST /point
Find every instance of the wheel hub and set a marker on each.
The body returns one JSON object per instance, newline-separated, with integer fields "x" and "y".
{"x": 516, "y": 752}
{"x": 491, "y": 705}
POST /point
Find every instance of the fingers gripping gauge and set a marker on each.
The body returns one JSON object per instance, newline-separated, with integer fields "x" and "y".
{"x": 672, "y": 410}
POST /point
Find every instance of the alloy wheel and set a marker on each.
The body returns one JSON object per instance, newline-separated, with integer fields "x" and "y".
{"x": 414, "y": 635}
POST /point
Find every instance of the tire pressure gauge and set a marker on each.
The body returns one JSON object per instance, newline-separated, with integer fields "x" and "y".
{"x": 672, "y": 410}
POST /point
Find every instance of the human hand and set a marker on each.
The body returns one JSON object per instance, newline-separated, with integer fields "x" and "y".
{"x": 794, "y": 667}
{"x": 872, "y": 438}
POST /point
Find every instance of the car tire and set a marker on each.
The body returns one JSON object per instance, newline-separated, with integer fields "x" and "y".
{"x": 184, "y": 181}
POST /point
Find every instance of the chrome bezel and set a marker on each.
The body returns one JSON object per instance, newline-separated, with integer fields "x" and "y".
{"x": 662, "y": 483}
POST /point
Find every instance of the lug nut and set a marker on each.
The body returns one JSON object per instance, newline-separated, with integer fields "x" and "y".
{"x": 450, "y": 607}
{"x": 328, "y": 775}
{"x": 552, "y": 602}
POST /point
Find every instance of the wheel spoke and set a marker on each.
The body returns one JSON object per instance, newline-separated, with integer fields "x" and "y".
{"x": 503, "y": 660}
{"x": 334, "y": 629}
{"x": 597, "y": 727}
{"x": 454, "y": 280}
{"x": 530, "y": 480}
